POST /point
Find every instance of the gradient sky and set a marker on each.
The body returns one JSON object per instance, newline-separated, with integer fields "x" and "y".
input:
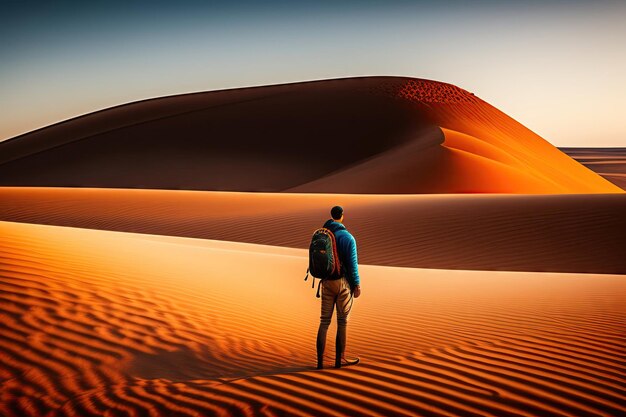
{"x": 558, "y": 67}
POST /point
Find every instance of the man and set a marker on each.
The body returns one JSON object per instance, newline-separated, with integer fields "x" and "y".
{"x": 340, "y": 292}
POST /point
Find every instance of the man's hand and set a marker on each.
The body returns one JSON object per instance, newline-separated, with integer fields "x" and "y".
{"x": 357, "y": 291}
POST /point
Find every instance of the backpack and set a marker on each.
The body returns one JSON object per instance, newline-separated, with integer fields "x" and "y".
{"x": 323, "y": 258}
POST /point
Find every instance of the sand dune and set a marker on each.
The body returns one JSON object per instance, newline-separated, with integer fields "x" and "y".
{"x": 559, "y": 233}
{"x": 610, "y": 163}
{"x": 109, "y": 323}
{"x": 355, "y": 135}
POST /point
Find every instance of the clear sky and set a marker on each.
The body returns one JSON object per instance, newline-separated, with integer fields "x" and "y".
{"x": 558, "y": 67}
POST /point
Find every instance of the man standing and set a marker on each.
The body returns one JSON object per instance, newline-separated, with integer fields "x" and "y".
{"x": 339, "y": 292}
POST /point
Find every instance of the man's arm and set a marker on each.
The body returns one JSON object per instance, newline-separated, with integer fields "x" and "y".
{"x": 353, "y": 266}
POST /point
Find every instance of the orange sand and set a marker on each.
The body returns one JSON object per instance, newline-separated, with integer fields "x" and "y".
{"x": 109, "y": 323}
{"x": 559, "y": 233}
{"x": 610, "y": 163}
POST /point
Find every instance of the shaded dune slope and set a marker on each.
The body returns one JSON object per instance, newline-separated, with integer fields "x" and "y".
{"x": 610, "y": 163}
{"x": 160, "y": 327}
{"x": 560, "y": 233}
{"x": 357, "y": 135}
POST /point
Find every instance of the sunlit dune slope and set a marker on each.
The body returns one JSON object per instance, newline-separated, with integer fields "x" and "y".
{"x": 105, "y": 323}
{"x": 355, "y": 135}
{"x": 610, "y": 163}
{"x": 560, "y": 233}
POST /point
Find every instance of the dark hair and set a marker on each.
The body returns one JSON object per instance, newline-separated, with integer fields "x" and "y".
{"x": 336, "y": 212}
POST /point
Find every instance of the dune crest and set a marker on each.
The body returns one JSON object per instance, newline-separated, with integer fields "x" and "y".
{"x": 354, "y": 135}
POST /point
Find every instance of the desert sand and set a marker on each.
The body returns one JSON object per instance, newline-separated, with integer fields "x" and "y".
{"x": 152, "y": 258}
{"x": 610, "y": 163}
{"x": 558, "y": 233}
{"x": 110, "y": 323}
{"x": 354, "y": 135}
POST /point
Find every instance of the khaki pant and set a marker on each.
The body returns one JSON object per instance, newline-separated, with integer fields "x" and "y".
{"x": 335, "y": 294}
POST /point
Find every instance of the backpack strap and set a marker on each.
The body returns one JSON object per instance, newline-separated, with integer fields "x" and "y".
{"x": 313, "y": 282}
{"x": 338, "y": 266}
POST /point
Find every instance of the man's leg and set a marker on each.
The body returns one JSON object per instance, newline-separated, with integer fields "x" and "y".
{"x": 344, "y": 306}
{"x": 340, "y": 341}
{"x": 328, "y": 304}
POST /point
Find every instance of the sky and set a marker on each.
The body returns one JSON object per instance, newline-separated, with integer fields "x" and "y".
{"x": 558, "y": 67}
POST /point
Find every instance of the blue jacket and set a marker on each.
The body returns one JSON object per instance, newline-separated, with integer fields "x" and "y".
{"x": 346, "y": 246}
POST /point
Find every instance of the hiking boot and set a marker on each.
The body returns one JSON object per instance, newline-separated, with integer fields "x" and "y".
{"x": 346, "y": 362}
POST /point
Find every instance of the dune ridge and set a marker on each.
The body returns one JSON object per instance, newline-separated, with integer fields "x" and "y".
{"x": 558, "y": 233}
{"x": 109, "y": 323}
{"x": 355, "y": 135}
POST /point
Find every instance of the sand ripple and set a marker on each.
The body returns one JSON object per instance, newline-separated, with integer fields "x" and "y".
{"x": 106, "y": 323}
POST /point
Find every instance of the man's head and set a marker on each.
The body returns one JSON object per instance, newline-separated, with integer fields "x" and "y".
{"x": 337, "y": 213}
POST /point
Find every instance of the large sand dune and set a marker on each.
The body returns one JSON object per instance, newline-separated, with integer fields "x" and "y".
{"x": 107, "y": 323}
{"x": 560, "y": 233}
{"x": 357, "y": 135}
